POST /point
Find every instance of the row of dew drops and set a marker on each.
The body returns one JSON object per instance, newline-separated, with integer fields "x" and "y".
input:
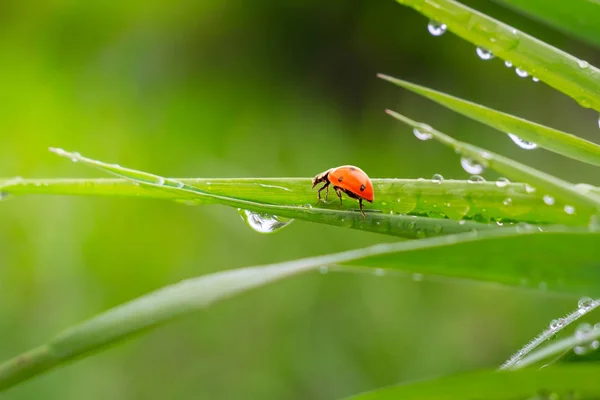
{"x": 438, "y": 29}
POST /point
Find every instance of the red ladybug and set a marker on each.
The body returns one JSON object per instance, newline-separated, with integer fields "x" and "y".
{"x": 348, "y": 179}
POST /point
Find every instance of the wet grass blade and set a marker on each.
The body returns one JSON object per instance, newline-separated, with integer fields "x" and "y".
{"x": 578, "y": 18}
{"x": 451, "y": 199}
{"x": 551, "y": 139}
{"x": 565, "y": 261}
{"x": 570, "y": 75}
{"x": 551, "y": 185}
{"x": 558, "y": 382}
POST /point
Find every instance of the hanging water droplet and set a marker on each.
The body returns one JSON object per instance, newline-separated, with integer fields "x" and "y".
{"x": 436, "y": 28}
{"x": 471, "y": 166}
{"x": 507, "y": 202}
{"x": 508, "y": 64}
{"x": 437, "y": 178}
{"x": 569, "y": 209}
{"x": 521, "y": 73}
{"x": 502, "y": 182}
{"x": 529, "y": 189}
{"x": 533, "y": 78}
{"x": 484, "y": 54}
{"x": 524, "y": 144}
{"x": 323, "y": 269}
{"x": 264, "y": 223}
{"x": 583, "y": 64}
{"x": 476, "y": 179}
{"x": 422, "y": 135}
{"x": 549, "y": 200}
{"x": 585, "y": 304}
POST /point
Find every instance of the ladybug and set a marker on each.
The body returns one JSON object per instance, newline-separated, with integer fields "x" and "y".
{"x": 348, "y": 179}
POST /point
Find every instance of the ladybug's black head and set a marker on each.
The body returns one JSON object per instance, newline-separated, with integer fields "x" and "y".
{"x": 320, "y": 178}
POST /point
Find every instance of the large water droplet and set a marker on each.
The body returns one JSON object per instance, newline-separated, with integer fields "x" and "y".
{"x": 484, "y": 54}
{"x": 437, "y": 178}
{"x": 569, "y": 209}
{"x": 264, "y": 223}
{"x": 502, "y": 182}
{"x": 422, "y": 135}
{"x": 471, "y": 166}
{"x": 521, "y": 73}
{"x": 436, "y": 28}
{"x": 508, "y": 64}
{"x": 524, "y": 144}
{"x": 583, "y": 64}
{"x": 549, "y": 200}
{"x": 476, "y": 179}
{"x": 585, "y": 304}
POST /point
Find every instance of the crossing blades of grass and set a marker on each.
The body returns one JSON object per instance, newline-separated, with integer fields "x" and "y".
{"x": 570, "y": 75}
{"x": 552, "y": 186}
{"x": 560, "y": 260}
{"x": 554, "y": 140}
{"x": 559, "y": 382}
{"x": 451, "y": 199}
{"x": 578, "y": 18}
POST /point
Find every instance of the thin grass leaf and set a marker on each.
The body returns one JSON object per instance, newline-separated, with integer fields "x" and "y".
{"x": 577, "y": 199}
{"x": 570, "y": 75}
{"x": 578, "y": 18}
{"x": 560, "y": 382}
{"x": 521, "y": 257}
{"x": 451, "y": 199}
{"x": 551, "y": 139}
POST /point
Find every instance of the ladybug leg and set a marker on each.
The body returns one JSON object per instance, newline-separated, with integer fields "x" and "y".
{"x": 337, "y": 191}
{"x": 361, "y": 209}
{"x": 325, "y": 186}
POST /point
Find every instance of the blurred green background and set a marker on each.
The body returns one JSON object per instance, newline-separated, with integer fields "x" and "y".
{"x": 244, "y": 89}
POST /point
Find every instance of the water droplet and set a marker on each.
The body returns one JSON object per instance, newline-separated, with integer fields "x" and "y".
{"x": 508, "y": 64}
{"x": 462, "y": 222}
{"x": 549, "y": 200}
{"x": 422, "y": 135}
{"x": 598, "y": 120}
{"x": 471, "y": 166}
{"x": 179, "y": 184}
{"x": 529, "y": 189}
{"x": 417, "y": 277}
{"x": 556, "y": 324}
{"x": 484, "y": 54}
{"x": 437, "y": 178}
{"x": 580, "y": 350}
{"x": 485, "y": 155}
{"x": 4, "y": 196}
{"x": 569, "y": 209}
{"x": 436, "y": 28}
{"x": 585, "y": 304}
{"x": 379, "y": 272}
{"x": 499, "y": 223}
{"x": 323, "y": 269}
{"x": 502, "y": 182}
{"x": 533, "y": 78}
{"x": 507, "y": 202}
{"x": 524, "y": 144}
{"x": 476, "y": 179}
{"x": 75, "y": 157}
{"x": 521, "y": 73}
{"x": 583, "y": 331}
{"x": 583, "y": 64}
{"x": 264, "y": 223}
{"x": 160, "y": 180}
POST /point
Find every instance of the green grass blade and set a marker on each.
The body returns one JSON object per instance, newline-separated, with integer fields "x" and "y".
{"x": 578, "y": 18}
{"x": 560, "y": 382}
{"x": 570, "y": 75}
{"x": 588, "y": 201}
{"x": 418, "y": 197}
{"x": 551, "y": 139}
{"x": 559, "y": 260}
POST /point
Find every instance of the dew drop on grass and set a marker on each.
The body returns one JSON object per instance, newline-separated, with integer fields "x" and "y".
{"x": 556, "y": 324}
{"x": 422, "y": 135}
{"x": 379, "y": 272}
{"x": 323, "y": 269}
{"x": 508, "y": 64}
{"x": 437, "y": 178}
{"x": 521, "y": 73}
{"x": 569, "y": 209}
{"x": 502, "y": 182}
{"x": 75, "y": 157}
{"x": 598, "y": 120}
{"x": 436, "y": 28}
{"x": 179, "y": 184}
{"x": 549, "y": 200}
{"x": 533, "y": 78}
{"x": 262, "y": 222}
{"x": 160, "y": 180}
{"x": 583, "y": 64}
{"x": 529, "y": 189}
{"x": 507, "y": 201}
{"x": 584, "y": 304}
{"x": 484, "y": 54}
{"x": 471, "y": 166}
{"x": 524, "y": 144}
{"x": 476, "y": 179}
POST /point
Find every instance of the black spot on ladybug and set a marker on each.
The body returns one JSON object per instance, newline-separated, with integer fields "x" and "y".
{"x": 341, "y": 178}
{"x": 362, "y": 187}
{"x": 352, "y": 169}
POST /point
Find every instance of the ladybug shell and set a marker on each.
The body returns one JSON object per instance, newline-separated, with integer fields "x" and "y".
{"x": 352, "y": 179}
